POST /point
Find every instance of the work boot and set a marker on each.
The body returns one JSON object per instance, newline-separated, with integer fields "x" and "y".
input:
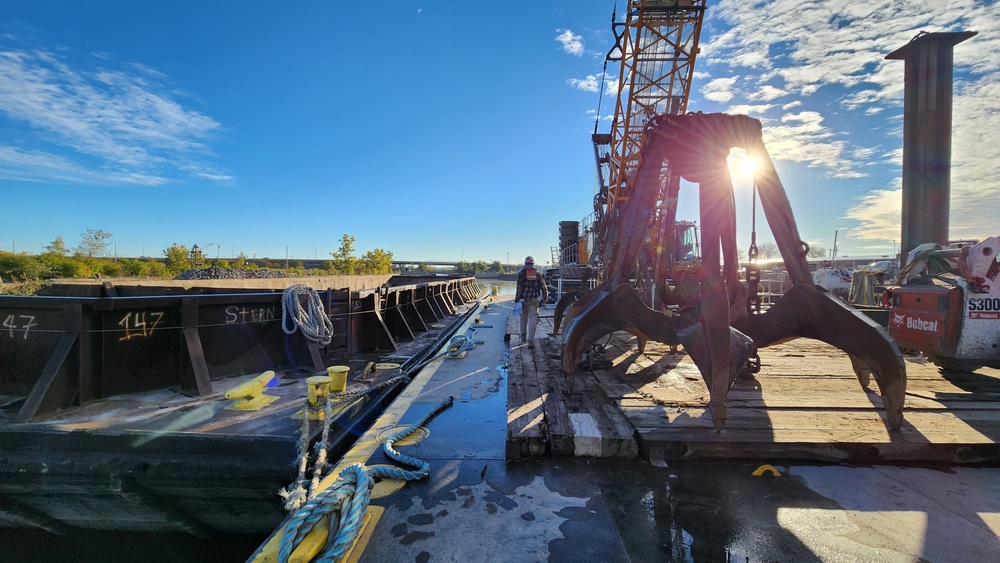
{"x": 531, "y": 344}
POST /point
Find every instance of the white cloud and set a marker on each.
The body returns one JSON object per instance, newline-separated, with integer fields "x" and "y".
{"x": 802, "y": 137}
{"x": 748, "y": 109}
{"x": 879, "y": 214}
{"x": 805, "y": 46}
{"x": 571, "y": 42}
{"x": 592, "y": 83}
{"x": 97, "y": 125}
{"x": 589, "y": 84}
{"x": 766, "y": 93}
{"x": 719, "y": 90}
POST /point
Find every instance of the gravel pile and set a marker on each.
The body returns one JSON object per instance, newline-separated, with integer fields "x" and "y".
{"x": 214, "y": 273}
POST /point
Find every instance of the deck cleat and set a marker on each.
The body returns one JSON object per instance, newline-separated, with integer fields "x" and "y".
{"x": 250, "y": 396}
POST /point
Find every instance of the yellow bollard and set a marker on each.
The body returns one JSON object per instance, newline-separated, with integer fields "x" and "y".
{"x": 496, "y": 289}
{"x": 338, "y": 378}
{"x": 319, "y": 389}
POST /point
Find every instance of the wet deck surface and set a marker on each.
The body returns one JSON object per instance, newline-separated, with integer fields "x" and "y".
{"x": 806, "y": 403}
{"x": 481, "y": 504}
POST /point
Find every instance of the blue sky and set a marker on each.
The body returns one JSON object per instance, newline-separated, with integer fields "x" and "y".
{"x": 442, "y": 130}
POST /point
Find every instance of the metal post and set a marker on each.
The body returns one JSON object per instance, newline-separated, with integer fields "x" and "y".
{"x": 927, "y": 124}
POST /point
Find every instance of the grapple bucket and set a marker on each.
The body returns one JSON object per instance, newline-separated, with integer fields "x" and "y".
{"x": 719, "y": 350}
{"x": 805, "y": 311}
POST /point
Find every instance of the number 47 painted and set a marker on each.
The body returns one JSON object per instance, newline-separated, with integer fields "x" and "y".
{"x": 27, "y": 323}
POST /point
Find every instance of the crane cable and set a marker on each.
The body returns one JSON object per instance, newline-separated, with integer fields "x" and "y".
{"x": 604, "y": 70}
{"x": 753, "y": 279}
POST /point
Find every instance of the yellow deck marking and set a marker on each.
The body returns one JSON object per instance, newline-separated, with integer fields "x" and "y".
{"x": 368, "y": 444}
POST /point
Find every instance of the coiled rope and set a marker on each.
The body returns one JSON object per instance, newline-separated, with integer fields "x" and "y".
{"x": 346, "y": 501}
{"x": 312, "y": 320}
{"x": 462, "y": 343}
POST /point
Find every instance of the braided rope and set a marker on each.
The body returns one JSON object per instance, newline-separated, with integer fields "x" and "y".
{"x": 295, "y": 494}
{"x": 312, "y": 320}
{"x": 347, "y": 500}
{"x": 462, "y": 343}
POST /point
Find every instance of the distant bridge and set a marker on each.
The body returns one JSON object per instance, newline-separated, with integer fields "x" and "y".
{"x": 440, "y": 263}
{"x": 424, "y": 262}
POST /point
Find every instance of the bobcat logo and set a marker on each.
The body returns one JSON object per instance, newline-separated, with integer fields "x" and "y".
{"x": 898, "y": 319}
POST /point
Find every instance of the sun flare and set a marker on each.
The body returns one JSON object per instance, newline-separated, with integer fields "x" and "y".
{"x": 747, "y": 166}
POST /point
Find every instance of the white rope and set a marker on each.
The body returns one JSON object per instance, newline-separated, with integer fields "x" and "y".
{"x": 312, "y": 320}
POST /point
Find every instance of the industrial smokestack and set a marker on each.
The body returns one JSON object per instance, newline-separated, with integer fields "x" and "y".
{"x": 927, "y": 101}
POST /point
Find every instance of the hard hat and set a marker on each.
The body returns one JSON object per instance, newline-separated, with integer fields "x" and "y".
{"x": 529, "y": 260}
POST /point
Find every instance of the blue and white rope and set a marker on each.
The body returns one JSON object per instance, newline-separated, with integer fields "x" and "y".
{"x": 347, "y": 500}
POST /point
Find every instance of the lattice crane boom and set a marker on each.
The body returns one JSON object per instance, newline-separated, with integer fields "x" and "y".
{"x": 656, "y": 46}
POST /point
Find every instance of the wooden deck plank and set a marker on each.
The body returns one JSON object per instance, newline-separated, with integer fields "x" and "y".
{"x": 559, "y": 426}
{"x": 805, "y": 403}
{"x": 525, "y": 415}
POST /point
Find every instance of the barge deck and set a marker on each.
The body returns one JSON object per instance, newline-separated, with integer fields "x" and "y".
{"x": 626, "y": 468}
{"x": 805, "y": 404}
{"x": 114, "y": 412}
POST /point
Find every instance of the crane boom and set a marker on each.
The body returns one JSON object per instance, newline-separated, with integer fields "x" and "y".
{"x": 656, "y": 46}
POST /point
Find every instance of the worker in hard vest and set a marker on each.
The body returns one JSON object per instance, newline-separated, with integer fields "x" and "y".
{"x": 531, "y": 291}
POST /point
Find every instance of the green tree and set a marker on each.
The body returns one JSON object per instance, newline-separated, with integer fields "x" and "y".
{"x": 132, "y": 267}
{"x": 22, "y": 267}
{"x": 240, "y": 262}
{"x": 155, "y": 269}
{"x": 496, "y": 266}
{"x": 421, "y": 267}
{"x": 57, "y": 247}
{"x": 93, "y": 243}
{"x": 177, "y": 259}
{"x": 343, "y": 259}
{"x": 376, "y": 261}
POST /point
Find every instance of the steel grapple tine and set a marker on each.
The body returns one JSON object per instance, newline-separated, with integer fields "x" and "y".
{"x": 611, "y": 308}
{"x": 805, "y": 311}
{"x": 719, "y": 350}
{"x": 564, "y": 308}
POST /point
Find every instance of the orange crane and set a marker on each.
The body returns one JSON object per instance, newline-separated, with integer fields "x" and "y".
{"x": 656, "y": 46}
{"x": 708, "y": 309}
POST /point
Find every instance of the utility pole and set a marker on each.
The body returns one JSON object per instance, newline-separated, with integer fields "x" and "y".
{"x": 13, "y": 247}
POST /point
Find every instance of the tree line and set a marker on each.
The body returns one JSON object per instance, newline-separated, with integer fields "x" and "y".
{"x": 90, "y": 258}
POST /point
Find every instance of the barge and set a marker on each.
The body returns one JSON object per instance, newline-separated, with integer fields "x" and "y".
{"x": 138, "y": 407}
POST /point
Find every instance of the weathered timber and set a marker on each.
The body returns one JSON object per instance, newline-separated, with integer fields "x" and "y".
{"x": 805, "y": 404}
